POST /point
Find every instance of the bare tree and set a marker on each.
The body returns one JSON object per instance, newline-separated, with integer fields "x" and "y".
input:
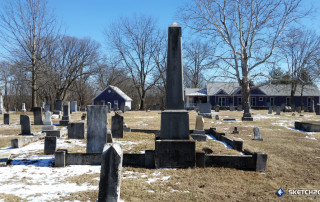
{"x": 198, "y": 58}
{"x": 135, "y": 40}
{"x": 69, "y": 59}
{"x": 247, "y": 32}
{"x": 300, "y": 51}
{"x": 27, "y": 27}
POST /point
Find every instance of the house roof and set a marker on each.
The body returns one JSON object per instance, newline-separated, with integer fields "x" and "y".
{"x": 118, "y": 91}
{"x": 195, "y": 92}
{"x": 227, "y": 87}
{"x": 285, "y": 90}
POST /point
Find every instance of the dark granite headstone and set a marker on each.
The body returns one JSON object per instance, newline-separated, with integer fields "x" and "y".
{"x": 6, "y": 119}
{"x": 25, "y": 125}
{"x": 37, "y": 115}
{"x": 117, "y": 126}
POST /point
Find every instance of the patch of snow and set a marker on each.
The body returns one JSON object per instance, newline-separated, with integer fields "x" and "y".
{"x": 211, "y": 137}
{"x": 150, "y": 191}
{"x": 311, "y": 138}
{"x": 151, "y": 180}
{"x": 165, "y": 178}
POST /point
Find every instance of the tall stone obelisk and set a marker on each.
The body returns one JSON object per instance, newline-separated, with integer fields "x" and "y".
{"x": 174, "y": 149}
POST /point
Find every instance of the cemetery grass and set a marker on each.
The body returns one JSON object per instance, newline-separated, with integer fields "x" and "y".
{"x": 293, "y": 162}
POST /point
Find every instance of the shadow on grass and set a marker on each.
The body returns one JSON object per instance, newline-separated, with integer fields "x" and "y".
{"x": 49, "y": 162}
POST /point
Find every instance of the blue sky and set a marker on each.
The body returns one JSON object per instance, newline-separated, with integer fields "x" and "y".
{"x": 84, "y": 18}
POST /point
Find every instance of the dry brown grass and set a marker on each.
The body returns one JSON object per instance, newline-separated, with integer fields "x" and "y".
{"x": 292, "y": 162}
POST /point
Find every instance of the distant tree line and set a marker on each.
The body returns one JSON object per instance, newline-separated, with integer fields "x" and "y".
{"x": 245, "y": 41}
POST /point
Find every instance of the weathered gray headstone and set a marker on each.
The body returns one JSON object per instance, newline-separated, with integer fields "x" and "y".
{"x": 74, "y": 106}
{"x": 256, "y": 133}
{"x": 76, "y": 131}
{"x": 47, "y": 118}
{"x": 312, "y": 106}
{"x": 47, "y": 108}
{"x": 122, "y": 107}
{"x": 96, "y": 128}
{"x": 117, "y": 126}
{"x": 299, "y": 109}
{"x": 6, "y": 119}
{"x": 205, "y": 110}
{"x": 37, "y": 115}
{"x": 66, "y": 114}
{"x": 270, "y": 110}
{"x": 231, "y": 108}
{"x": 239, "y": 107}
{"x": 110, "y": 175}
{"x": 57, "y": 107}
{"x": 23, "y": 107}
{"x": 217, "y": 108}
{"x": 109, "y": 107}
{"x": 50, "y": 145}
{"x": 246, "y": 114}
{"x": 25, "y": 125}
{"x": 199, "y": 133}
{"x": 278, "y": 110}
{"x": 217, "y": 117}
{"x": 115, "y": 107}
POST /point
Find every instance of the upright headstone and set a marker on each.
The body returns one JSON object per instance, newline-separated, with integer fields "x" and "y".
{"x": 318, "y": 109}
{"x": 47, "y": 108}
{"x": 74, "y": 106}
{"x": 231, "y": 108}
{"x": 23, "y": 107}
{"x": 58, "y": 107}
{"x": 110, "y": 175}
{"x": 205, "y": 110}
{"x": 235, "y": 131}
{"x": 115, "y": 107}
{"x": 25, "y": 125}
{"x": 278, "y": 110}
{"x": 96, "y": 128}
{"x": 66, "y": 114}
{"x": 109, "y": 107}
{"x": 117, "y": 126}
{"x": 270, "y": 110}
{"x": 1, "y": 103}
{"x": 239, "y": 107}
{"x": 37, "y": 115}
{"x": 122, "y": 107}
{"x": 256, "y": 133}
{"x": 217, "y": 117}
{"x": 76, "y": 131}
{"x": 312, "y": 106}
{"x": 217, "y": 108}
{"x": 6, "y": 119}
{"x": 47, "y": 118}
{"x": 174, "y": 149}
{"x": 43, "y": 104}
{"x": 50, "y": 145}
{"x": 246, "y": 114}
{"x": 299, "y": 109}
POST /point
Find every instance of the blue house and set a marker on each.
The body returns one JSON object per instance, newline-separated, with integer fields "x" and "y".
{"x": 113, "y": 95}
{"x": 228, "y": 94}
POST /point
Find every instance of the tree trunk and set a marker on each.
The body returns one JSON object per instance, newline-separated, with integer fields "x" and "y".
{"x": 34, "y": 85}
{"x": 142, "y": 102}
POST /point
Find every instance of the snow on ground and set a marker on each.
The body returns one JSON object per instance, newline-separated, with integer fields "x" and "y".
{"x": 32, "y": 177}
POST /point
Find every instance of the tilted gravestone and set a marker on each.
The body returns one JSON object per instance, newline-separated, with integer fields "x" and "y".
{"x": 173, "y": 149}
{"x": 6, "y": 119}
{"x": 199, "y": 133}
{"x": 256, "y": 133}
{"x": 50, "y": 145}
{"x": 37, "y": 115}
{"x": 76, "y": 131}
{"x": 96, "y": 128}
{"x": 246, "y": 114}
{"x": 25, "y": 125}
{"x": 117, "y": 126}
{"x": 110, "y": 175}
{"x": 66, "y": 114}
